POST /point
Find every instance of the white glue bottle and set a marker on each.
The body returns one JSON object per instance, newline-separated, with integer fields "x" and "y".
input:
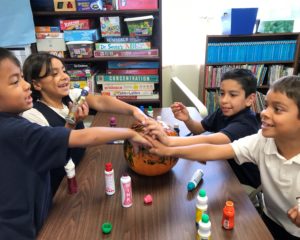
{"x": 201, "y": 205}
{"x": 110, "y": 188}
{"x": 126, "y": 191}
{"x": 195, "y": 180}
{"x": 204, "y": 231}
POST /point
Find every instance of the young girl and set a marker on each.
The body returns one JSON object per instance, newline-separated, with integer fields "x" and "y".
{"x": 50, "y": 85}
{"x": 29, "y": 151}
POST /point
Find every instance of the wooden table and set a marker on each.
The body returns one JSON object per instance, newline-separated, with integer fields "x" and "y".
{"x": 172, "y": 214}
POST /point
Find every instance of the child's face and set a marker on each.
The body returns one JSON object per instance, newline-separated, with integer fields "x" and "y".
{"x": 57, "y": 84}
{"x": 232, "y": 98}
{"x": 280, "y": 117}
{"x": 15, "y": 93}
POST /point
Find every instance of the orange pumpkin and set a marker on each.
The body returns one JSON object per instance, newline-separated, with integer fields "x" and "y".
{"x": 145, "y": 163}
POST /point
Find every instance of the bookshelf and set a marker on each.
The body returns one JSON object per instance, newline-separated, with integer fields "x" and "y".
{"x": 268, "y": 56}
{"x": 52, "y": 18}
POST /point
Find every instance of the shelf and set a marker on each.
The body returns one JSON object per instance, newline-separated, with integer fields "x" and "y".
{"x": 95, "y": 13}
{"x": 251, "y": 63}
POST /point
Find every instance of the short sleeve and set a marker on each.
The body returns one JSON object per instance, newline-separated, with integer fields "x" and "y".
{"x": 209, "y": 122}
{"x": 35, "y": 116}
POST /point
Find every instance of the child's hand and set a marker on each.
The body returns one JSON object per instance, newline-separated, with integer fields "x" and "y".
{"x": 180, "y": 111}
{"x": 139, "y": 115}
{"x": 157, "y": 147}
{"x": 137, "y": 140}
{"x": 81, "y": 113}
{"x": 155, "y": 130}
{"x": 294, "y": 215}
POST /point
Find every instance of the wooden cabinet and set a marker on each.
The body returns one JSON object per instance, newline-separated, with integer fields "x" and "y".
{"x": 51, "y": 18}
{"x": 268, "y": 56}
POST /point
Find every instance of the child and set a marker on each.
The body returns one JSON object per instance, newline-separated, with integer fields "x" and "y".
{"x": 50, "y": 87}
{"x": 29, "y": 151}
{"x": 276, "y": 151}
{"x": 233, "y": 120}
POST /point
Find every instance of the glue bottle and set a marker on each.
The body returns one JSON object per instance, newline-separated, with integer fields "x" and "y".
{"x": 110, "y": 188}
{"x": 150, "y": 111}
{"x": 176, "y": 128}
{"x": 204, "y": 231}
{"x": 80, "y": 100}
{"x": 194, "y": 181}
{"x": 228, "y": 215}
{"x": 201, "y": 205}
{"x": 126, "y": 191}
{"x": 72, "y": 183}
{"x": 112, "y": 122}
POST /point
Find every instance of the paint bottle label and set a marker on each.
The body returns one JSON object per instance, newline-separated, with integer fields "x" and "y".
{"x": 126, "y": 191}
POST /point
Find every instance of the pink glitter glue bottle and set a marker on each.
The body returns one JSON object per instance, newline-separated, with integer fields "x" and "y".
{"x": 72, "y": 183}
{"x": 126, "y": 190}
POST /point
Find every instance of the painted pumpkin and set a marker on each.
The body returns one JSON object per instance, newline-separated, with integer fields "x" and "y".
{"x": 145, "y": 163}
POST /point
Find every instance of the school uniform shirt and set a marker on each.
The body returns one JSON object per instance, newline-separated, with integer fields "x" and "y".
{"x": 46, "y": 115}
{"x": 28, "y": 152}
{"x": 280, "y": 177}
{"x": 242, "y": 124}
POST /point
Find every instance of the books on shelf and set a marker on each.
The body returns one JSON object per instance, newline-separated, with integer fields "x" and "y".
{"x": 139, "y": 97}
{"x": 127, "y": 92}
{"x": 256, "y": 51}
{"x": 126, "y": 53}
{"x": 127, "y": 86}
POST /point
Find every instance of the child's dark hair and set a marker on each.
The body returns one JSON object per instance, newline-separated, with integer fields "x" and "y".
{"x": 36, "y": 67}
{"x": 244, "y": 77}
{"x": 6, "y": 54}
{"x": 289, "y": 86}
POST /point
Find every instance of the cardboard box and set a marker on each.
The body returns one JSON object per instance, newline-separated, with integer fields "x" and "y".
{"x": 51, "y": 42}
{"x": 238, "y": 21}
{"x": 81, "y": 49}
{"x": 64, "y": 5}
{"x": 76, "y": 24}
{"x": 89, "y": 5}
{"x": 82, "y": 35}
{"x": 110, "y": 26}
{"x": 46, "y": 29}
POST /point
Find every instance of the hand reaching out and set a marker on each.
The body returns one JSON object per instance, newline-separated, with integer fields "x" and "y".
{"x": 180, "y": 111}
{"x": 294, "y": 215}
{"x": 156, "y": 131}
{"x": 137, "y": 140}
{"x": 157, "y": 147}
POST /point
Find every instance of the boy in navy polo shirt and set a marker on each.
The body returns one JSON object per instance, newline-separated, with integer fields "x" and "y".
{"x": 233, "y": 120}
{"x": 29, "y": 151}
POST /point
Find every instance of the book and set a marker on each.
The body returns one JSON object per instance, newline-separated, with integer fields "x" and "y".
{"x": 126, "y": 78}
{"x": 127, "y": 86}
{"x": 127, "y": 53}
{"x": 126, "y": 39}
{"x": 123, "y": 46}
{"x": 131, "y": 64}
{"x": 135, "y": 4}
{"x": 149, "y": 71}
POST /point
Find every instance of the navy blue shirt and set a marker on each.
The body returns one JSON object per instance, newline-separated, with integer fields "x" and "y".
{"x": 28, "y": 152}
{"x": 242, "y": 124}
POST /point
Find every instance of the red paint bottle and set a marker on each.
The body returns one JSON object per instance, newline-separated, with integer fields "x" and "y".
{"x": 228, "y": 215}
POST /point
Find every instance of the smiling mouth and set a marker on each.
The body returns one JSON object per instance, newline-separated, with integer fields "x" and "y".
{"x": 63, "y": 85}
{"x": 266, "y": 125}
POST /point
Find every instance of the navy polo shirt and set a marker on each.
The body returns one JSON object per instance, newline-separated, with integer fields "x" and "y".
{"x": 28, "y": 152}
{"x": 242, "y": 124}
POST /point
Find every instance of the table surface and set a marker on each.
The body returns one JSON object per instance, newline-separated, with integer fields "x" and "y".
{"x": 172, "y": 213}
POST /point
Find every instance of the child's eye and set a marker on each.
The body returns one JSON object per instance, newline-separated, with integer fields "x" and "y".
{"x": 277, "y": 110}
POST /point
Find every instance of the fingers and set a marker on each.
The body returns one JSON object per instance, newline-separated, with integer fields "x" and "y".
{"x": 294, "y": 215}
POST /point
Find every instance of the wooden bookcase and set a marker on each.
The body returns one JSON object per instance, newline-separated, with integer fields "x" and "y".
{"x": 51, "y": 18}
{"x": 226, "y": 51}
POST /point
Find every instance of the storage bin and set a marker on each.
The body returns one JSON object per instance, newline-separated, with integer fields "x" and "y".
{"x": 140, "y": 26}
{"x": 81, "y": 49}
{"x": 237, "y": 21}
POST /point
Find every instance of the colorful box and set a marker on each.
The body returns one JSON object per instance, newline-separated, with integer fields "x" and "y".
{"x": 89, "y": 5}
{"x": 136, "y": 4}
{"x": 140, "y": 26}
{"x": 81, "y": 49}
{"x": 82, "y": 35}
{"x": 110, "y": 26}
{"x": 46, "y": 29}
{"x": 64, "y": 5}
{"x": 76, "y": 24}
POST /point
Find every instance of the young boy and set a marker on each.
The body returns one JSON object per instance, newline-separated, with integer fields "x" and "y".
{"x": 233, "y": 120}
{"x": 276, "y": 151}
{"x": 29, "y": 151}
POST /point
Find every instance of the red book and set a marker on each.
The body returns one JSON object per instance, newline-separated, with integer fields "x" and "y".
{"x": 136, "y": 4}
{"x": 132, "y": 71}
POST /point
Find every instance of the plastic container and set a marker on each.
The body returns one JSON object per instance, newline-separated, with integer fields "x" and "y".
{"x": 204, "y": 232}
{"x": 228, "y": 215}
{"x": 81, "y": 49}
{"x": 110, "y": 188}
{"x": 140, "y": 26}
{"x": 201, "y": 205}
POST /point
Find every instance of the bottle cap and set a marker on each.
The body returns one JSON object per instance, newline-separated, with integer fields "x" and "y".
{"x": 205, "y": 218}
{"x": 150, "y": 108}
{"x": 202, "y": 193}
{"x": 176, "y": 125}
{"x": 229, "y": 203}
{"x": 142, "y": 108}
{"x": 191, "y": 186}
{"x": 108, "y": 166}
{"x": 106, "y": 227}
{"x": 112, "y": 121}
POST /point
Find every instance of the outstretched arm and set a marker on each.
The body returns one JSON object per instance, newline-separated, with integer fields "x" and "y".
{"x": 198, "y": 152}
{"x": 113, "y": 105}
